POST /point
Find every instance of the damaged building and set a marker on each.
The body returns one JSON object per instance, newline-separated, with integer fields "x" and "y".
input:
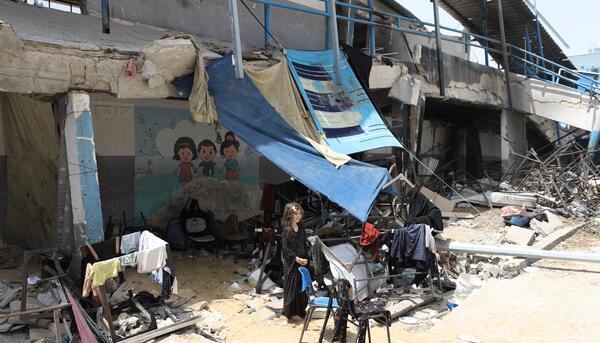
{"x": 129, "y": 118}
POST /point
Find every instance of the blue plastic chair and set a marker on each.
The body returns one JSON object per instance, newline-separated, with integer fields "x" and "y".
{"x": 316, "y": 302}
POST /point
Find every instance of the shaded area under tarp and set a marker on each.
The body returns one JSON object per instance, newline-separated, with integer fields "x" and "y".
{"x": 243, "y": 110}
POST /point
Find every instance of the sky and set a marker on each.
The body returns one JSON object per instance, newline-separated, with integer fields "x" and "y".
{"x": 575, "y": 20}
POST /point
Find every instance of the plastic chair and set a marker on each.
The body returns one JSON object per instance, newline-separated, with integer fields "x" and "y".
{"x": 316, "y": 302}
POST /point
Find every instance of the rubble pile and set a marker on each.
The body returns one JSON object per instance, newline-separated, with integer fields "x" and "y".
{"x": 566, "y": 179}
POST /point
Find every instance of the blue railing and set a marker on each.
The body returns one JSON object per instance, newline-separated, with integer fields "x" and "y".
{"x": 533, "y": 65}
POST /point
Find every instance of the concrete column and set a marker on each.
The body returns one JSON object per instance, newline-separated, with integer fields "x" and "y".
{"x": 512, "y": 129}
{"x": 84, "y": 189}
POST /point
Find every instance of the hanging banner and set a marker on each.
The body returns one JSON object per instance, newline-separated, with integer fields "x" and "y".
{"x": 342, "y": 111}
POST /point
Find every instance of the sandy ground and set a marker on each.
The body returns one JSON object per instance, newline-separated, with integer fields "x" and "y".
{"x": 559, "y": 302}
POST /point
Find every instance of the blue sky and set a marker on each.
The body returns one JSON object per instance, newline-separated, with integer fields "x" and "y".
{"x": 575, "y": 20}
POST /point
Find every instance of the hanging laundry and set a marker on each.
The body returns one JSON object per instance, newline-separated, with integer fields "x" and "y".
{"x": 152, "y": 253}
{"x": 130, "y": 242}
{"x": 105, "y": 270}
{"x": 129, "y": 260}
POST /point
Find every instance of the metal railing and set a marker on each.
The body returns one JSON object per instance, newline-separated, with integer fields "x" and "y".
{"x": 533, "y": 65}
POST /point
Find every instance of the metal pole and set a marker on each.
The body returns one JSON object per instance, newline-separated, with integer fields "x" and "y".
{"x": 539, "y": 33}
{"x": 484, "y": 16}
{"x": 267, "y": 24}
{"x": 105, "y": 17}
{"x": 350, "y": 33}
{"x": 438, "y": 44}
{"x": 371, "y": 29}
{"x": 237, "y": 44}
{"x": 334, "y": 40}
{"x": 504, "y": 54}
{"x": 516, "y": 251}
{"x": 527, "y": 48}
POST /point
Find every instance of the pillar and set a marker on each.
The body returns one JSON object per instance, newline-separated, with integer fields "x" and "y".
{"x": 80, "y": 189}
{"x": 513, "y": 132}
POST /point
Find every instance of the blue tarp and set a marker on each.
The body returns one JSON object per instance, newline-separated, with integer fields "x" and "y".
{"x": 243, "y": 110}
{"x": 342, "y": 111}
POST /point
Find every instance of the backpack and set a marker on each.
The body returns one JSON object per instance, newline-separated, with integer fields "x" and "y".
{"x": 192, "y": 218}
{"x": 175, "y": 235}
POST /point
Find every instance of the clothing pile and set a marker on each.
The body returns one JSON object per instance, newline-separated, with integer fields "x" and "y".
{"x": 144, "y": 251}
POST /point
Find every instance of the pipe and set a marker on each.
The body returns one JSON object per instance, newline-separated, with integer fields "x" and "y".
{"x": 438, "y": 44}
{"x": 516, "y": 251}
{"x": 484, "y": 18}
{"x": 335, "y": 43}
{"x": 504, "y": 54}
{"x": 371, "y": 29}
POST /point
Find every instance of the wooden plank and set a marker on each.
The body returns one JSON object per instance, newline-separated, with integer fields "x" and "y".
{"x": 442, "y": 203}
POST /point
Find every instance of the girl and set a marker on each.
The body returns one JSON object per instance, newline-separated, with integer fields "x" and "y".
{"x": 185, "y": 151}
{"x": 294, "y": 253}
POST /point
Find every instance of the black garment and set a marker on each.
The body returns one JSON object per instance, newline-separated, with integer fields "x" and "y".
{"x": 294, "y": 244}
{"x": 409, "y": 243}
{"x": 423, "y": 211}
{"x": 361, "y": 64}
{"x": 319, "y": 262}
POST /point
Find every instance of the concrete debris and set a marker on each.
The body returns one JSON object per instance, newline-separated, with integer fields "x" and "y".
{"x": 520, "y": 236}
{"x": 545, "y": 228}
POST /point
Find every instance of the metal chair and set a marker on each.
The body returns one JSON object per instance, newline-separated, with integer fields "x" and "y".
{"x": 357, "y": 312}
{"x": 315, "y": 302}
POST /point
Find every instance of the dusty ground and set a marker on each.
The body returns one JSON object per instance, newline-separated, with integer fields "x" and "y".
{"x": 556, "y": 302}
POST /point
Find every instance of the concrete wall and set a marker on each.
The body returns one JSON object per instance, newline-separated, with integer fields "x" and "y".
{"x": 210, "y": 19}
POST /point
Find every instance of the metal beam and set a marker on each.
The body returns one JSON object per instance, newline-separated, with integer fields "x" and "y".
{"x": 484, "y": 17}
{"x": 516, "y": 251}
{"x": 267, "y": 9}
{"x": 504, "y": 54}
{"x": 371, "y": 29}
{"x": 538, "y": 14}
{"x": 105, "y": 17}
{"x": 350, "y": 32}
{"x": 335, "y": 45}
{"x": 237, "y": 44}
{"x": 438, "y": 44}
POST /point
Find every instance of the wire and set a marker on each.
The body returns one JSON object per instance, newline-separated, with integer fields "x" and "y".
{"x": 439, "y": 178}
{"x": 261, "y": 24}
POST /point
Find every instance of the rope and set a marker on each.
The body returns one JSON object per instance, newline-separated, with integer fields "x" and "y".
{"x": 261, "y": 24}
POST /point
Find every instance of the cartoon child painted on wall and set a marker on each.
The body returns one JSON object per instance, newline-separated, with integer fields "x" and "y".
{"x": 229, "y": 149}
{"x": 206, "y": 152}
{"x": 185, "y": 151}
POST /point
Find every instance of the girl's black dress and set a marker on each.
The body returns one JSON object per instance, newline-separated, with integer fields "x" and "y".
{"x": 294, "y": 299}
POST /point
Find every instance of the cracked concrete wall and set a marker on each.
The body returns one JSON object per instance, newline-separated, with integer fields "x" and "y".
{"x": 210, "y": 18}
{"x": 472, "y": 83}
{"x": 34, "y": 68}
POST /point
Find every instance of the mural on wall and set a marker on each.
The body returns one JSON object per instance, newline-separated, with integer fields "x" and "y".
{"x": 177, "y": 158}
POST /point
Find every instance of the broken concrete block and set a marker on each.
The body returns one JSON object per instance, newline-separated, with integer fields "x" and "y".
{"x": 406, "y": 91}
{"x": 546, "y": 228}
{"x": 171, "y": 57}
{"x": 520, "y": 236}
{"x": 149, "y": 70}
